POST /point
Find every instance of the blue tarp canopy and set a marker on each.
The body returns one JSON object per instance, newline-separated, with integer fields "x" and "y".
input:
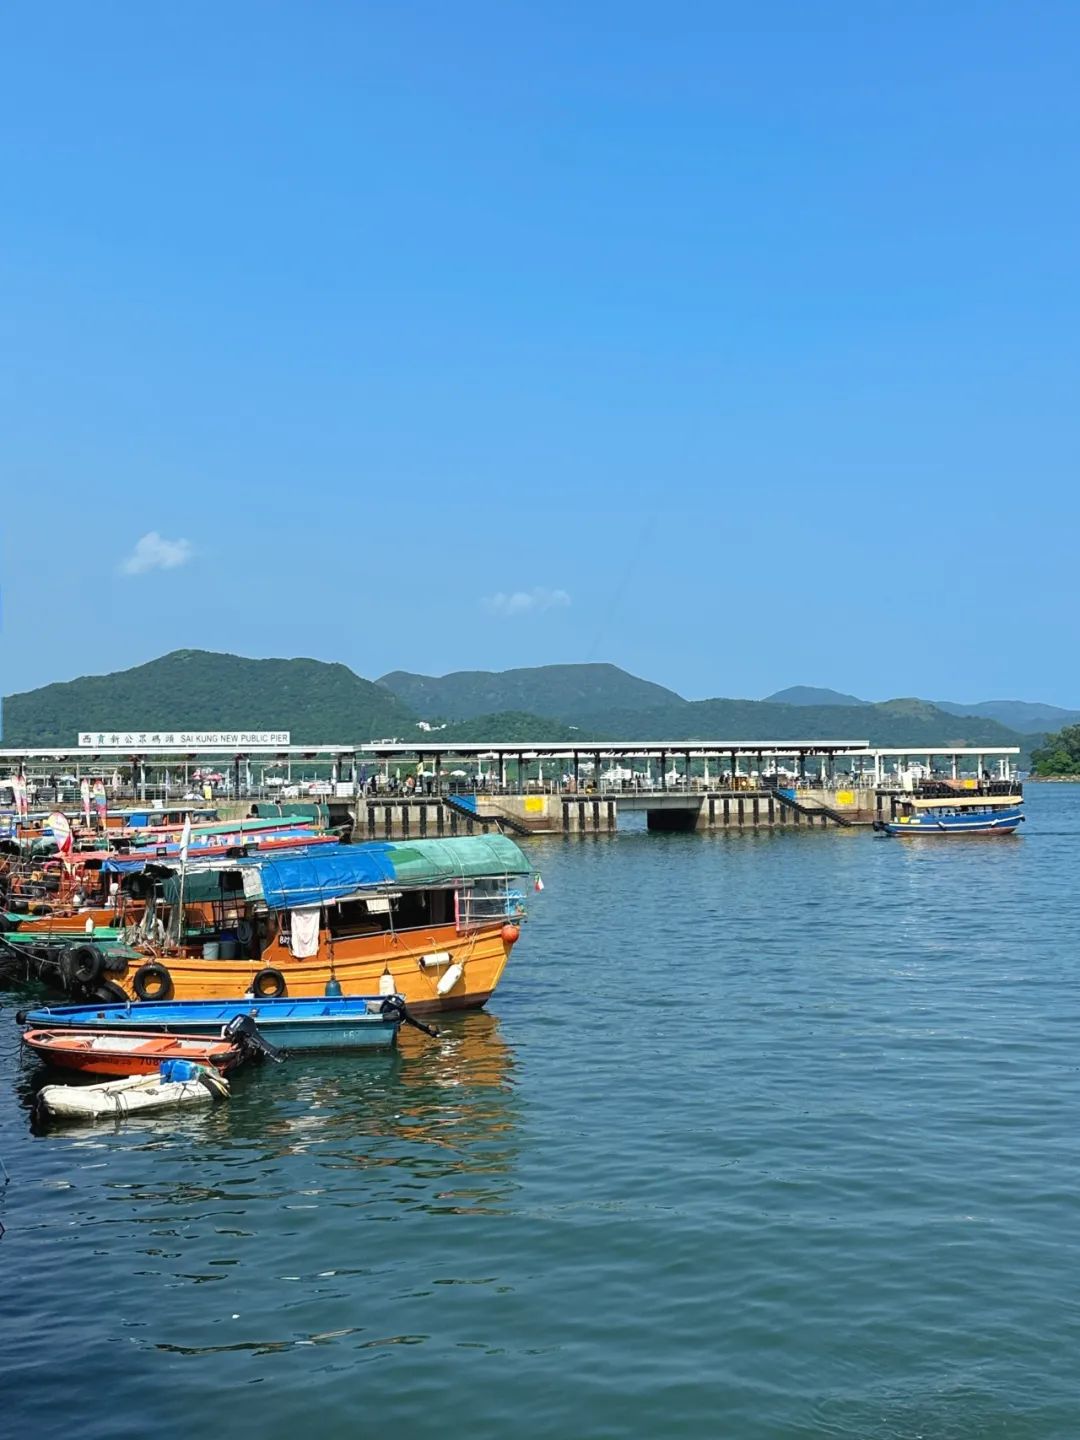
{"x": 334, "y": 872}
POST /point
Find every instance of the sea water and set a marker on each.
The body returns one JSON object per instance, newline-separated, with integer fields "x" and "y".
{"x": 768, "y": 1136}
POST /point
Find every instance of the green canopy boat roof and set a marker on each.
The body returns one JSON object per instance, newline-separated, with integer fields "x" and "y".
{"x": 326, "y": 873}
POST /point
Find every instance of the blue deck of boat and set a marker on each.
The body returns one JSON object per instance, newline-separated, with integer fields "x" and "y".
{"x": 352, "y": 1022}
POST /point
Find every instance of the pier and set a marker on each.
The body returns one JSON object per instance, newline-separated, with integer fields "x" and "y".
{"x": 426, "y": 789}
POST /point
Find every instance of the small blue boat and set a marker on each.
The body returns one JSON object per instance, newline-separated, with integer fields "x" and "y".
{"x": 352, "y": 1022}
{"x": 945, "y": 818}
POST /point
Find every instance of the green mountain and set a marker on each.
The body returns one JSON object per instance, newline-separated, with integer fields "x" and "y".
{"x": 199, "y": 689}
{"x": 893, "y": 723}
{"x": 509, "y": 725}
{"x": 812, "y": 695}
{"x": 320, "y": 702}
{"x": 604, "y": 702}
{"x": 561, "y": 692}
{"x": 1020, "y": 715}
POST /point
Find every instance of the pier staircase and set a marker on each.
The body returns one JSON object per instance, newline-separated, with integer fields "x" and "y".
{"x": 812, "y": 808}
{"x": 465, "y": 805}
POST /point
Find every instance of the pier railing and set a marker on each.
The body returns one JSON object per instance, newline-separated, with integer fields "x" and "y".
{"x": 47, "y": 797}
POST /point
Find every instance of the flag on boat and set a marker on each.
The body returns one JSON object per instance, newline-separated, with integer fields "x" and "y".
{"x": 58, "y": 826}
{"x": 185, "y": 840}
{"x": 99, "y": 800}
{"x": 539, "y": 885}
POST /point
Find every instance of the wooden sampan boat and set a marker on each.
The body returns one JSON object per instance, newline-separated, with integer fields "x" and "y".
{"x": 128, "y": 1052}
{"x": 342, "y": 1023}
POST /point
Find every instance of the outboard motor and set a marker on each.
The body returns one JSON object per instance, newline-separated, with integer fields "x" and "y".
{"x": 395, "y": 1005}
{"x": 244, "y": 1033}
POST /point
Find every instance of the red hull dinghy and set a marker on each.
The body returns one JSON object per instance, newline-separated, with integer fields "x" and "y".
{"x": 104, "y": 1052}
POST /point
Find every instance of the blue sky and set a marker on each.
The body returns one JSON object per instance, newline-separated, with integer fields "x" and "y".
{"x": 734, "y": 344}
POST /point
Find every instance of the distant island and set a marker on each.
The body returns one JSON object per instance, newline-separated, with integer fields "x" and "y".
{"x": 324, "y": 703}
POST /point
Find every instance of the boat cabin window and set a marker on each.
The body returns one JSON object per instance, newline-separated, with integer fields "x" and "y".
{"x": 486, "y": 901}
{"x": 407, "y": 910}
{"x": 425, "y": 907}
{"x": 352, "y": 917}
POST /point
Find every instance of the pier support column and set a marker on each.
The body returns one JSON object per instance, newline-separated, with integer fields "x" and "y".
{"x": 588, "y": 815}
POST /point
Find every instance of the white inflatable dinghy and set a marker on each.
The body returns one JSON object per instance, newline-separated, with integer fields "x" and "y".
{"x": 133, "y": 1096}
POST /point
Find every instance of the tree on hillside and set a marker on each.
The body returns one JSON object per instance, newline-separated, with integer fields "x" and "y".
{"x": 1060, "y": 754}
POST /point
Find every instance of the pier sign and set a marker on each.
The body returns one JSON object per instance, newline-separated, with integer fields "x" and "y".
{"x": 181, "y": 739}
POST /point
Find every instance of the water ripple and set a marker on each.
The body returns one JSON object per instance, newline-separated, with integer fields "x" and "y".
{"x": 768, "y": 1136}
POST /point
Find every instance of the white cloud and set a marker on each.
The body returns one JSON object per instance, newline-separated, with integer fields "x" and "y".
{"x": 152, "y": 552}
{"x": 524, "y": 602}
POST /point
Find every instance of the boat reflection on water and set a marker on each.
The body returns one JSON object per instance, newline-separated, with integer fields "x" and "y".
{"x": 430, "y": 1125}
{"x": 470, "y": 1051}
{"x": 434, "y": 1126}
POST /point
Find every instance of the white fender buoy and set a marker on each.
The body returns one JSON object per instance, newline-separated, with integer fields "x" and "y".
{"x": 437, "y": 960}
{"x": 449, "y": 979}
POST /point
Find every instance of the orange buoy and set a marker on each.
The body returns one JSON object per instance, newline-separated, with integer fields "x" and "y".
{"x": 511, "y": 934}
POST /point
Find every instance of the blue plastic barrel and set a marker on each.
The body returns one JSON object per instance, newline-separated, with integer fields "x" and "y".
{"x": 177, "y": 1070}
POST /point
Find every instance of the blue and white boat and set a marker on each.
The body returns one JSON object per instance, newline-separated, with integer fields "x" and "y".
{"x": 338, "y": 1023}
{"x": 940, "y": 808}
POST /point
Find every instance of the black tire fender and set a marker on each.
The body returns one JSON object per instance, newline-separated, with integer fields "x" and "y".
{"x": 84, "y": 963}
{"x": 110, "y": 993}
{"x": 268, "y": 984}
{"x": 152, "y": 982}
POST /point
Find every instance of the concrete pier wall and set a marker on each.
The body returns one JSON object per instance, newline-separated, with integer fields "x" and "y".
{"x": 426, "y": 819}
{"x": 386, "y": 817}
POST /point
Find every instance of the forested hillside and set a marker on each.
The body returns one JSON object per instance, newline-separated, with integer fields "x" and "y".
{"x": 558, "y": 691}
{"x": 321, "y": 702}
{"x": 201, "y": 689}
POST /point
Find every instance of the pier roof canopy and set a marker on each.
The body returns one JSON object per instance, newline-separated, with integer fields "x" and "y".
{"x": 411, "y": 749}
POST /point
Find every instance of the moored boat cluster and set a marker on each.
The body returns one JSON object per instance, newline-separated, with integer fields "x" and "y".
{"x": 192, "y": 946}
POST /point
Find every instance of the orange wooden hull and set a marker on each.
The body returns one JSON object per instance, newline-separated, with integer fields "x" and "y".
{"x": 131, "y": 1053}
{"x": 408, "y": 963}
